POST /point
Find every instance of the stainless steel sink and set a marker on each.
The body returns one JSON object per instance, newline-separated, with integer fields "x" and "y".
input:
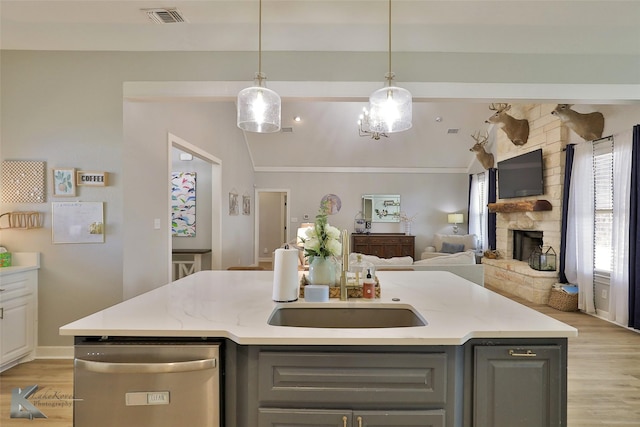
{"x": 395, "y": 316}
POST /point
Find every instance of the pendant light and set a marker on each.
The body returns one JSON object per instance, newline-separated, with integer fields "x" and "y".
{"x": 258, "y": 107}
{"x": 390, "y": 107}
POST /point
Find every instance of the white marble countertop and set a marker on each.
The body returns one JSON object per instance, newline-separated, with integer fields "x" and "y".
{"x": 22, "y": 261}
{"x": 237, "y": 305}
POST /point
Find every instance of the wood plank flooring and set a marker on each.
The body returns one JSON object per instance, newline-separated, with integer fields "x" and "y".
{"x": 603, "y": 377}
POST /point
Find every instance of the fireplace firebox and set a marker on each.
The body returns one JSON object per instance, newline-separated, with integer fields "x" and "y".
{"x": 525, "y": 242}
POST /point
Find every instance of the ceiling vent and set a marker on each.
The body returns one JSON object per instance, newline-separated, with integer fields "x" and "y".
{"x": 165, "y": 16}
{"x": 452, "y": 130}
{"x": 286, "y": 130}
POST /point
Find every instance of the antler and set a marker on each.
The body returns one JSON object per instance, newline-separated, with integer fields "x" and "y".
{"x": 482, "y": 140}
{"x": 500, "y": 107}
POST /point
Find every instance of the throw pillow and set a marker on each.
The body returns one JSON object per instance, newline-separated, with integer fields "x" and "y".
{"x": 452, "y": 248}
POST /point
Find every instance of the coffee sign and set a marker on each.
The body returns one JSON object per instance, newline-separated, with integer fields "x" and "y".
{"x": 95, "y": 179}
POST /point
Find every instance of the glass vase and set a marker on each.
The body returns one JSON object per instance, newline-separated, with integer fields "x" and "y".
{"x": 322, "y": 271}
{"x": 407, "y": 228}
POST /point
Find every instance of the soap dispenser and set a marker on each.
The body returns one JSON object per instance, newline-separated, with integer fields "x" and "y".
{"x": 369, "y": 286}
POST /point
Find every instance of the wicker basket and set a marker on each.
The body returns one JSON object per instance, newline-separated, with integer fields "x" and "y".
{"x": 563, "y": 301}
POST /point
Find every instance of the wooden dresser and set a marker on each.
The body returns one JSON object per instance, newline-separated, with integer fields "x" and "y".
{"x": 384, "y": 245}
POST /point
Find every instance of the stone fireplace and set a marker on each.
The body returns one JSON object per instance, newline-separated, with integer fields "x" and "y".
{"x": 511, "y": 272}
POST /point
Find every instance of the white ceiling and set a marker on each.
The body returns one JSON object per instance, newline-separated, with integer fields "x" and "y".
{"x": 516, "y": 26}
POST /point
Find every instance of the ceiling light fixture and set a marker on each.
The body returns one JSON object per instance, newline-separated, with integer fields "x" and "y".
{"x": 259, "y": 108}
{"x": 364, "y": 126}
{"x": 390, "y": 107}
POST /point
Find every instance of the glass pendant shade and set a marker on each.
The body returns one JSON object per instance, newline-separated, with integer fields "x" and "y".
{"x": 390, "y": 110}
{"x": 259, "y": 109}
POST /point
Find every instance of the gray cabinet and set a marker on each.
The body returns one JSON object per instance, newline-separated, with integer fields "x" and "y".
{"x": 482, "y": 383}
{"x": 518, "y": 386}
{"x": 343, "y": 418}
{"x": 344, "y": 386}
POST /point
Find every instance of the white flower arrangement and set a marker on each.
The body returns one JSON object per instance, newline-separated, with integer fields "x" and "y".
{"x": 405, "y": 218}
{"x": 323, "y": 240}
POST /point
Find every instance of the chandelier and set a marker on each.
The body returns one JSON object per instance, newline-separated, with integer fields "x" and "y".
{"x": 390, "y": 107}
{"x": 364, "y": 126}
{"x": 258, "y": 107}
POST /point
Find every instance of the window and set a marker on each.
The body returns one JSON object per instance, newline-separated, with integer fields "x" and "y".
{"x": 603, "y": 207}
{"x": 478, "y": 211}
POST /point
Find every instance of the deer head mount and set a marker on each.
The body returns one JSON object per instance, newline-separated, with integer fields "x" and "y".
{"x": 588, "y": 126}
{"x": 485, "y": 159}
{"x": 517, "y": 130}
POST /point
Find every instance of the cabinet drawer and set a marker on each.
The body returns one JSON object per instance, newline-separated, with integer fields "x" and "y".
{"x": 387, "y": 240}
{"x": 361, "y": 239}
{"x": 15, "y": 285}
{"x": 401, "y": 379}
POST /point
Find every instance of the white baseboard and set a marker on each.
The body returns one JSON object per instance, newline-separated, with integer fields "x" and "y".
{"x": 54, "y": 352}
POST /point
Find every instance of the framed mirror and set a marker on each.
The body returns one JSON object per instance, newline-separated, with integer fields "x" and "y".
{"x": 381, "y": 207}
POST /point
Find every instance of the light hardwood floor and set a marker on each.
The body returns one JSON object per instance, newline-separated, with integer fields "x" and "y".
{"x": 603, "y": 377}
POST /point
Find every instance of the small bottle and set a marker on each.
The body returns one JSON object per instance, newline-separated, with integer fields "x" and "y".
{"x": 369, "y": 286}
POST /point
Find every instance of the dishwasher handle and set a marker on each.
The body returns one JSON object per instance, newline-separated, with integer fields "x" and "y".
{"x": 145, "y": 368}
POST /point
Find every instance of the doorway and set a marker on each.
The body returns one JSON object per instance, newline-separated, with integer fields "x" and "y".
{"x": 215, "y": 220}
{"x": 271, "y": 222}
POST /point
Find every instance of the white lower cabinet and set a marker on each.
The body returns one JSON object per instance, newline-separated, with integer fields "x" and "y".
{"x": 270, "y": 417}
{"x": 18, "y": 314}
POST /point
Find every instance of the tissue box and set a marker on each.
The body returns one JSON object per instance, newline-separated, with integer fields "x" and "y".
{"x": 5, "y": 259}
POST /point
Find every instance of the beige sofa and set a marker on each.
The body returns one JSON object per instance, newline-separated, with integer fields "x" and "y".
{"x": 447, "y": 244}
{"x": 462, "y": 264}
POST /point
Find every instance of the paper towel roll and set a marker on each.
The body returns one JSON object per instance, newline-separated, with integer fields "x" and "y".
{"x": 285, "y": 275}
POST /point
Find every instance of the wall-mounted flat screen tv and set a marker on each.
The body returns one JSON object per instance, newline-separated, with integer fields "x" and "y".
{"x": 521, "y": 176}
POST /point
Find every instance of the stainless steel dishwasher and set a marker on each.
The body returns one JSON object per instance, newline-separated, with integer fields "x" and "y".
{"x": 146, "y": 382}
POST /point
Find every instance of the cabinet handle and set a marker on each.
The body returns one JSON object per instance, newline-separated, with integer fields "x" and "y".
{"x": 359, "y": 421}
{"x": 344, "y": 421}
{"x": 1, "y": 313}
{"x": 2, "y": 290}
{"x": 528, "y": 353}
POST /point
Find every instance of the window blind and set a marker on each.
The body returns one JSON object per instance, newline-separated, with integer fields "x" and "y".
{"x": 603, "y": 206}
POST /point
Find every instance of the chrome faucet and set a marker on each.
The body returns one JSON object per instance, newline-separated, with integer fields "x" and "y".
{"x": 345, "y": 266}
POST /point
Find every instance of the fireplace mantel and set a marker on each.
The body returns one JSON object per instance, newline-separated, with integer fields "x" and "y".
{"x": 520, "y": 206}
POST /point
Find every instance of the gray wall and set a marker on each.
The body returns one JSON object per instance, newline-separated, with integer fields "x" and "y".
{"x": 430, "y": 196}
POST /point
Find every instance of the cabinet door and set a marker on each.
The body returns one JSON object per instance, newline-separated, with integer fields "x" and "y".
{"x": 268, "y": 417}
{"x": 518, "y": 386}
{"x": 16, "y": 328}
{"x": 435, "y": 418}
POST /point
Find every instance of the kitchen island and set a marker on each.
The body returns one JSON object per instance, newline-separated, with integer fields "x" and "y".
{"x": 481, "y": 360}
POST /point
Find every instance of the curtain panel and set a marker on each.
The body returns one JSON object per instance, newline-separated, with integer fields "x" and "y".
{"x": 580, "y": 227}
{"x": 634, "y": 233}
{"x": 565, "y": 209}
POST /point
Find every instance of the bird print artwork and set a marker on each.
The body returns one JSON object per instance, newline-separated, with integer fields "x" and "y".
{"x": 183, "y": 204}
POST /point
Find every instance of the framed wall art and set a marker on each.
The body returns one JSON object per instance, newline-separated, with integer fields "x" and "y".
{"x": 64, "y": 182}
{"x": 246, "y": 205}
{"x": 233, "y": 204}
{"x": 183, "y": 204}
